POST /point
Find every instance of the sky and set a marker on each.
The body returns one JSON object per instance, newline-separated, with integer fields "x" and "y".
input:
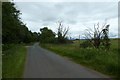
{"x": 78, "y": 16}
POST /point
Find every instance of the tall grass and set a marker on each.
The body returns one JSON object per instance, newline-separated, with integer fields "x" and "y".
{"x": 97, "y": 59}
{"x": 13, "y": 60}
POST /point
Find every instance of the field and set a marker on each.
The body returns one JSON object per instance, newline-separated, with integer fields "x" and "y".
{"x": 103, "y": 61}
{"x": 13, "y": 60}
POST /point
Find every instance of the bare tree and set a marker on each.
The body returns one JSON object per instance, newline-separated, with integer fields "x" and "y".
{"x": 98, "y": 36}
{"x": 62, "y": 32}
{"x": 105, "y": 38}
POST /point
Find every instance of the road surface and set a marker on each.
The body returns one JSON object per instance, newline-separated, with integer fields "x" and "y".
{"x": 41, "y": 63}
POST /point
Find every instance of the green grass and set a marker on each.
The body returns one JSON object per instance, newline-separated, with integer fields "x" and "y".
{"x": 103, "y": 61}
{"x": 0, "y": 61}
{"x": 13, "y": 60}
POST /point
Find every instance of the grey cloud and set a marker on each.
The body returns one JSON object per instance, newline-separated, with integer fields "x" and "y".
{"x": 48, "y": 13}
{"x": 70, "y": 12}
{"x": 113, "y": 35}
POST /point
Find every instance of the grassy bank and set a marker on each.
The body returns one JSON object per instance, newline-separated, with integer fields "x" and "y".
{"x": 100, "y": 60}
{"x": 13, "y": 60}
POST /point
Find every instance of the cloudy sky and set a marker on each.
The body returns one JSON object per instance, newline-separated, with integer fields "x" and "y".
{"x": 77, "y": 15}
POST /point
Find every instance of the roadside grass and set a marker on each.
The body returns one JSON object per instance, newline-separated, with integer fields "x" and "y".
{"x": 0, "y": 60}
{"x": 103, "y": 61}
{"x": 13, "y": 60}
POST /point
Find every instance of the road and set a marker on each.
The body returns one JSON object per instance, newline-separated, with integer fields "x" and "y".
{"x": 41, "y": 63}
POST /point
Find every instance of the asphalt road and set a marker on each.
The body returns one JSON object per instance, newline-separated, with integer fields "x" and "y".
{"x": 41, "y": 63}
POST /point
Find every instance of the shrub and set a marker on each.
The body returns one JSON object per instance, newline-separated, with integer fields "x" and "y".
{"x": 85, "y": 44}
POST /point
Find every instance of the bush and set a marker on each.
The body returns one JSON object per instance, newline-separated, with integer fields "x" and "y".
{"x": 85, "y": 44}
{"x": 7, "y": 46}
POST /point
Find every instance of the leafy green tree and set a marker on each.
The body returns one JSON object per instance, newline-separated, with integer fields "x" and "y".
{"x": 13, "y": 29}
{"x": 47, "y": 35}
{"x": 10, "y": 23}
{"x": 35, "y": 36}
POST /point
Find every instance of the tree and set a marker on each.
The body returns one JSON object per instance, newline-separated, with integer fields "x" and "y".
{"x": 47, "y": 35}
{"x": 98, "y": 36}
{"x": 105, "y": 38}
{"x": 13, "y": 29}
{"x": 35, "y": 36}
{"x": 62, "y": 32}
{"x": 10, "y": 23}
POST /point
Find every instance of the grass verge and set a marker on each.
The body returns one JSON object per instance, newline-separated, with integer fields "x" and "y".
{"x": 105, "y": 62}
{"x": 13, "y": 59}
{"x": 0, "y": 61}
